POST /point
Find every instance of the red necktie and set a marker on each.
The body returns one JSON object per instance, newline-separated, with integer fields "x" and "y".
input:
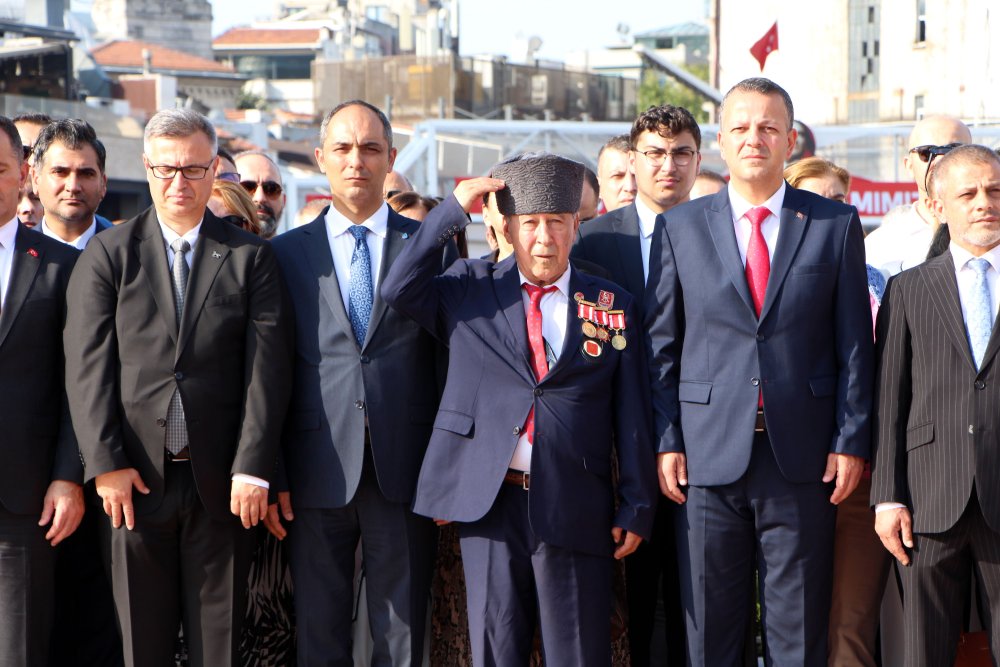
{"x": 758, "y": 265}
{"x": 758, "y": 261}
{"x": 539, "y": 363}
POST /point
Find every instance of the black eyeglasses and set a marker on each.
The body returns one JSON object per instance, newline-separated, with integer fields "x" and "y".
{"x": 231, "y": 176}
{"x": 271, "y": 188}
{"x": 655, "y": 157}
{"x": 928, "y": 152}
{"x": 167, "y": 172}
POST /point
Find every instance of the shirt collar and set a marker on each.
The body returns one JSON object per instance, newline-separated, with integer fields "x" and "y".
{"x": 740, "y": 206}
{"x": 647, "y": 218}
{"x": 7, "y": 233}
{"x": 961, "y": 256}
{"x": 79, "y": 242}
{"x": 561, "y": 284}
{"x": 337, "y": 223}
{"x": 169, "y": 235}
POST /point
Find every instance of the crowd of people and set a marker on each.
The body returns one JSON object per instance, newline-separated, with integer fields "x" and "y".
{"x": 663, "y": 398}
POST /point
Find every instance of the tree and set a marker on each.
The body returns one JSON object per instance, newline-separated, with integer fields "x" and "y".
{"x": 657, "y": 88}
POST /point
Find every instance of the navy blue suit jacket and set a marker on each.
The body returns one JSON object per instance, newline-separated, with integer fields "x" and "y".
{"x": 810, "y": 353}
{"x": 390, "y": 382}
{"x": 581, "y": 406}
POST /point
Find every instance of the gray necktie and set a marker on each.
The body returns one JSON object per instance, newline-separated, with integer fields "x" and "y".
{"x": 177, "y": 437}
{"x": 979, "y": 311}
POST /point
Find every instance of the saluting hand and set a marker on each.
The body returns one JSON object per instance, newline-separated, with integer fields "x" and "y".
{"x": 470, "y": 191}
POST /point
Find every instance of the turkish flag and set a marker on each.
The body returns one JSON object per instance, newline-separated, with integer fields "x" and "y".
{"x": 763, "y": 47}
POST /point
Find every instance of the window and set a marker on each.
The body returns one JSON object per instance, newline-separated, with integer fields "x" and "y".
{"x": 871, "y": 14}
{"x": 864, "y": 49}
{"x": 875, "y": 49}
{"x": 921, "y": 21}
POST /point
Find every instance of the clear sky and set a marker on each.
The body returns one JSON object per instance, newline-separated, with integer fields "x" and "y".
{"x": 494, "y": 27}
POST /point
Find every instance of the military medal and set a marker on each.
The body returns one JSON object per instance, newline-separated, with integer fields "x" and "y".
{"x": 618, "y": 342}
{"x": 603, "y": 335}
{"x": 578, "y": 297}
{"x": 605, "y": 300}
{"x": 589, "y": 330}
{"x": 616, "y": 321}
{"x": 592, "y": 348}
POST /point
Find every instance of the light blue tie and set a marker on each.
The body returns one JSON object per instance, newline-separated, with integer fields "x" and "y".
{"x": 360, "y": 306}
{"x": 980, "y": 311}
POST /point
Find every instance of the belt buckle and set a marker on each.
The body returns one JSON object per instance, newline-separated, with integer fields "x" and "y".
{"x": 526, "y": 480}
{"x": 759, "y": 423}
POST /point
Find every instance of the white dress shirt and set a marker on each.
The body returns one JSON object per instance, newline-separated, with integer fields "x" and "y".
{"x": 191, "y": 236}
{"x": 7, "y": 234}
{"x": 647, "y": 223}
{"x": 342, "y": 246}
{"x": 966, "y": 277}
{"x": 554, "y": 307}
{"x": 901, "y": 242}
{"x": 769, "y": 228}
{"x": 80, "y": 242}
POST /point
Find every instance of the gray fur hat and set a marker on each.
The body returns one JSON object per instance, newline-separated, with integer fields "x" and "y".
{"x": 539, "y": 183}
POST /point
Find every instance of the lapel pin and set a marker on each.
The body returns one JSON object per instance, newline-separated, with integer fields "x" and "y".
{"x": 32, "y": 252}
{"x": 215, "y": 254}
{"x": 406, "y": 235}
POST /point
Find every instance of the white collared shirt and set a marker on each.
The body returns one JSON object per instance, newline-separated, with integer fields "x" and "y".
{"x": 342, "y": 246}
{"x": 7, "y": 235}
{"x": 169, "y": 236}
{"x": 554, "y": 307}
{"x": 966, "y": 277}
{"x": 647, "y": 223}
{"x": 80, "y": 242}
{"x": 770, "y": 226}
{"x": 901, "y": 242}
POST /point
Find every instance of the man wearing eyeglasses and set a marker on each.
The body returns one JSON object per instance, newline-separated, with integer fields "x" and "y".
{"x": 903, "y": 239}
{"x": 178, "y": 357}
{"x": 261, "y": 178}
{"x": 664, "y": 155}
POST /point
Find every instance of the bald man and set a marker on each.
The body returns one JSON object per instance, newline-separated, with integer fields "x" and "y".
{"x": 906, "y": 232}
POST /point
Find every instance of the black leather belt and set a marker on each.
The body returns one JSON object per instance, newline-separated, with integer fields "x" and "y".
{"x": 183, "y": 455}
{"x": 760, "y": 426}
{"x": 518, "y": 478}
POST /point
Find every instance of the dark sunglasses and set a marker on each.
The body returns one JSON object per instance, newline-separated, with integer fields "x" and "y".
{"x": 231, "y": 176}
{"x": 271, "y": 189}
{"x": 929, "y": 152}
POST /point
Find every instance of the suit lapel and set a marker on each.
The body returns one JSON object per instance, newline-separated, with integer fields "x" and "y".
{"x": 719, "y": 216}
{"x": 942, "y": 286}
{"x": 153, "y": 259}
{"x": 792, "y": 227}
{"x": 394, "y": 242}
{"x": 24, "y": 266}
{"x": 209, "y": 256}
{"x": 626, "y": 228}
{"x": 507, "y": 286}
{"x": 316, "y": 249}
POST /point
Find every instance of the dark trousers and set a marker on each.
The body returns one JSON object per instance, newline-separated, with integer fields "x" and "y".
{"x": 789, "y": 527}
{"x": 936, "y": 584}
{"x": 649, "y": 572}
{"x": 179, "y": 566}
{"x": 513, "y": 580}
{"x": 27, "y": 565}
{"x": 85, "y": 634}
{"x": 398, "y": 552}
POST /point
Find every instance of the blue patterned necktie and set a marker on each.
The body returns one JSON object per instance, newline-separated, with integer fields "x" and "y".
{"x": 360, "y": 306}
{"x": 980, "y": 311}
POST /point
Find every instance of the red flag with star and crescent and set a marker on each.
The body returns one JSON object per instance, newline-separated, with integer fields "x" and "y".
{"x": 765, "y": 45}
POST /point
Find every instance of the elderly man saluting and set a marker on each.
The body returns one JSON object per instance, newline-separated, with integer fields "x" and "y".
{"x": 527, "y": 472}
